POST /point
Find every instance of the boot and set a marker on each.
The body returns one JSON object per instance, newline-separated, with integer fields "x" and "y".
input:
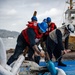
{"x": 61, "y": 64}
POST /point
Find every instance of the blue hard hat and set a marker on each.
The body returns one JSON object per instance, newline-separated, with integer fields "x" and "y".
{"x": 44, "y": 20}
{"x": 48, "y": 19}
{"x": 43, "y": 26}
{"x": 34, "y": 18}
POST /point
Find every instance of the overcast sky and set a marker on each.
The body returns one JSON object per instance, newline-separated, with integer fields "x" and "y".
{"x": 14, "y": 14}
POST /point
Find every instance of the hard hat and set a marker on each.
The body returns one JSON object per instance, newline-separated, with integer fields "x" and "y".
{"x": 34, "y": 18}
{"x": 48, "y": 19}
{"x": 43, "y": 26}
{"x": 44, "y": 20}
{"x": 70, "y": 28}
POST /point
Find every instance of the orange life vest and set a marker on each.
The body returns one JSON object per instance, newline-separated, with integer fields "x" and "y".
{"x": 51, "y": 27}
{"x": 35, "y": 28}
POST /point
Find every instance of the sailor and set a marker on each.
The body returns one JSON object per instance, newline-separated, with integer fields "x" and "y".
{"x": 54, "y": 42}
{"x": 51, "y": 27}
{"x": 45, "y": 20}
{"x": 35, "y": 56}
{"x": 30, "y": 23}
{"x": 29, "y": 37}
{"x": 33, "y": 21}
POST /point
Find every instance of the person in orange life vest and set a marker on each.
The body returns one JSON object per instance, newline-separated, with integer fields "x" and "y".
{"x": 33, "y": 21}
{"x": 35, "y": 57}
{"x": 45, "y": 20}
{"x": 28, "y": 37}
{"x": 51, "y": 27}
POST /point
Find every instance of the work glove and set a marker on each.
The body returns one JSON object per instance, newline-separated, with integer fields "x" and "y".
{"x": 66, "y": 51}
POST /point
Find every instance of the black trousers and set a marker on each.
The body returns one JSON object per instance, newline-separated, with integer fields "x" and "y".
{"x": 20, "y": 46}
{"x": 53, "y": 48}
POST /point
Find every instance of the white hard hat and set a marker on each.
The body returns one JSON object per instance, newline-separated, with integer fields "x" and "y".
{"x": 70, "y": 28}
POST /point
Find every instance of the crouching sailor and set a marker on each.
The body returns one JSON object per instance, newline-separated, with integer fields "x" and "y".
{"x": 54, "y": 42}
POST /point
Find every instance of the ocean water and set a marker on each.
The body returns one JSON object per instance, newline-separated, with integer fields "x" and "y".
{"x": 9, "y": 43}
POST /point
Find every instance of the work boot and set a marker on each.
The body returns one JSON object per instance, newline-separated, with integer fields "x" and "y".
{"x": 61, "y": 64}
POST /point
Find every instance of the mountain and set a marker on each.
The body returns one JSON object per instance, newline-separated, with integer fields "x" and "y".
{"x": 7, "y": 33}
